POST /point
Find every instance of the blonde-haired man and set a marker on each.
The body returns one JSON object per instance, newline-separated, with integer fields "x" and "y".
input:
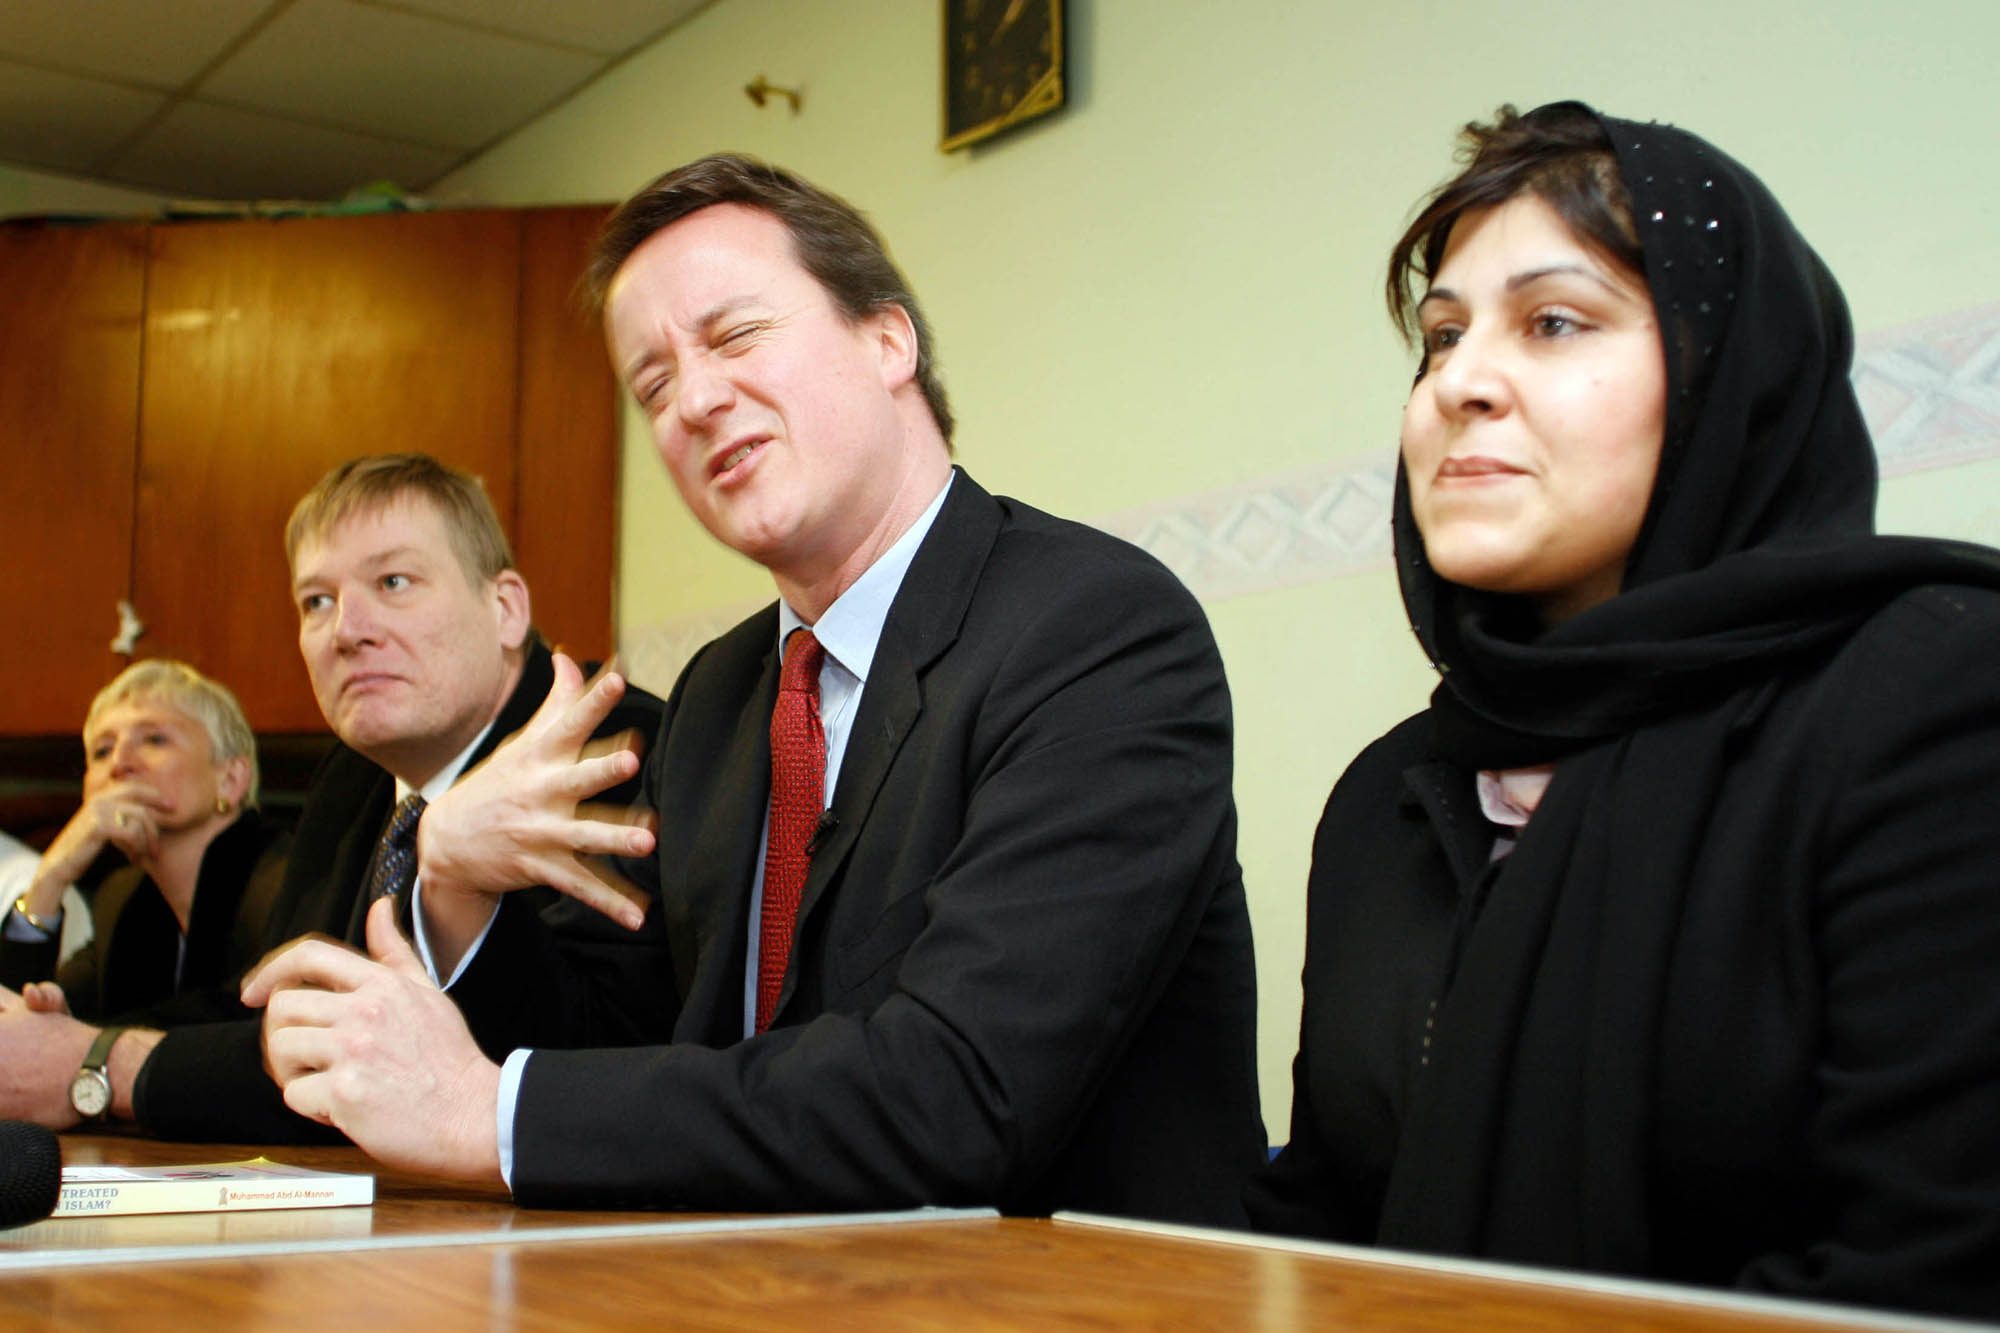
{"x": 416, "y": 632}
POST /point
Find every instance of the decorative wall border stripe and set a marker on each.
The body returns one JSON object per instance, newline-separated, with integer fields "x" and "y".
{"x": 1300, "y": 527}
{"x": 1930, "y": 391}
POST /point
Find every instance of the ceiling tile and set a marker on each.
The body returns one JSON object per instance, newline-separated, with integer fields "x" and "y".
{"x": 159, "y": 43}
{"x": 396, "y": 74}
{"x": 203, "y": 151}
{"x": 608, "y": 27}
{"x": 56, "y": 120}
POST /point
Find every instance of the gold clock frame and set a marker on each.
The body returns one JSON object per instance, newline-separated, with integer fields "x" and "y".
{"x": 1046, "y": 94}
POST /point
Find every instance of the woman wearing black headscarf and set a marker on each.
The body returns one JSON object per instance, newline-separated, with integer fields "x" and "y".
{"x": 1667, "y": 941}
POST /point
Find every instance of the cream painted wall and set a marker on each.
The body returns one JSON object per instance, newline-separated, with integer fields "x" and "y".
{"x": 1172, "y": 286}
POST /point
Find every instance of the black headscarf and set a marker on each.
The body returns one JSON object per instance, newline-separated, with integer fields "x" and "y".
{"x": 1756, "y": 559}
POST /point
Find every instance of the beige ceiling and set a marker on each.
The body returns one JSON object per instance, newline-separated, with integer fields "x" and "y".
{"x": 293, "y": 99}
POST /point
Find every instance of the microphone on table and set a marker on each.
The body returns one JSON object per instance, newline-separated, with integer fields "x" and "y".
{"x": 30, "y": 1173}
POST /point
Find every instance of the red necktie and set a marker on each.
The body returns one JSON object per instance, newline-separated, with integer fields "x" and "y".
{"x": 798, "y": 794}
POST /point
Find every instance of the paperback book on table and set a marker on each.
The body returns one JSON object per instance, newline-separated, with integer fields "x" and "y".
{"x": 99, "y": 1191}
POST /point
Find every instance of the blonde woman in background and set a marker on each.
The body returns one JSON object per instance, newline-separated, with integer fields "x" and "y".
{"x": 171, "y": 782}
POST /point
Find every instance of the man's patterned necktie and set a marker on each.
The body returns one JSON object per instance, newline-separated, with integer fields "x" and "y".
{"x": 798, "y": 793}
{"x": 394, "y": 868}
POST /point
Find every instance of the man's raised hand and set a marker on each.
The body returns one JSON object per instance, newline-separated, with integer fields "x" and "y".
{"x": 519, "y": 819}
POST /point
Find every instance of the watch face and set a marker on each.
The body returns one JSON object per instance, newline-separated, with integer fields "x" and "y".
{"x": 90, "y": 1093}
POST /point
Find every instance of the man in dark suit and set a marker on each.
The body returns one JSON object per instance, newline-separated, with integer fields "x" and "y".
{"x": 1018, "y": 969}
{"x": 415, "y": 630}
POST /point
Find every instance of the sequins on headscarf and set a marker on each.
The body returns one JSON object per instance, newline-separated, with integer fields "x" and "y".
{"x": 1765, "y": 442}
{"x": 1692, "y": 256}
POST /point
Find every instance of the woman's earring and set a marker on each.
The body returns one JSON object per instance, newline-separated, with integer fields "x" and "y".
{"x": 222, "y": 806}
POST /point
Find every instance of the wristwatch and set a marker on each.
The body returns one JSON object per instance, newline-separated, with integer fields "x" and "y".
{"x": 90, "y": 1090}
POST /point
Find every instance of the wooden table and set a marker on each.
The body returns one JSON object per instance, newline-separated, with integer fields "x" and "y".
{"x": 441, "y": 1257}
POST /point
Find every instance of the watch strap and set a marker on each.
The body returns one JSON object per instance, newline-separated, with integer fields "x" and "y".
{"x": 100, "y": 1050}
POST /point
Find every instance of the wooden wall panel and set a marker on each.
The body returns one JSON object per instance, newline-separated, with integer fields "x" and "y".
{"x": 69, "y": 396}
{"x": 566, "y": 511}
{"x": 274, "y": 350}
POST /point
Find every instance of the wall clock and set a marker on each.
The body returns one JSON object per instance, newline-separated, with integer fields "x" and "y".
{"x": 1003, "y": 64}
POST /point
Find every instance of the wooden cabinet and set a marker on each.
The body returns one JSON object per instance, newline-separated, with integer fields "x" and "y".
{"x": 169, "y": 392}
{"x": 565, "y": 521}
{"x": 71, "y": 301}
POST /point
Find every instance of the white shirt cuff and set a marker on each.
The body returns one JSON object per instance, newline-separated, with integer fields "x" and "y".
{"x": 19, "y": 929}
{"x": 503, "y": 1111}
{"x": 424, "y": 940}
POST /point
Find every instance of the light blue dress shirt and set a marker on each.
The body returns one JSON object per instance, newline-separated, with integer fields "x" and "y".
{"x": 439, "y": 784}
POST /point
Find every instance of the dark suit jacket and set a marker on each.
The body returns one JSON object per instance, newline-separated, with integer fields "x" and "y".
{"x": 1022, "y": 973}
{"x": 556, "y": 972}
{"x": 126, "y": 973}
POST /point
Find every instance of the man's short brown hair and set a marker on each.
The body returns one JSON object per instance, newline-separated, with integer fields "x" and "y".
{"x": 363, "y": 485}
{"x": 831, "y": 240}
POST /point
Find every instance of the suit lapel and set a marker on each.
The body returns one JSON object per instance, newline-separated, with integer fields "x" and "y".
{"x": 368, "y": 794}
{"x": 923, "y": 621}
{"x": 711, "y": 785}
